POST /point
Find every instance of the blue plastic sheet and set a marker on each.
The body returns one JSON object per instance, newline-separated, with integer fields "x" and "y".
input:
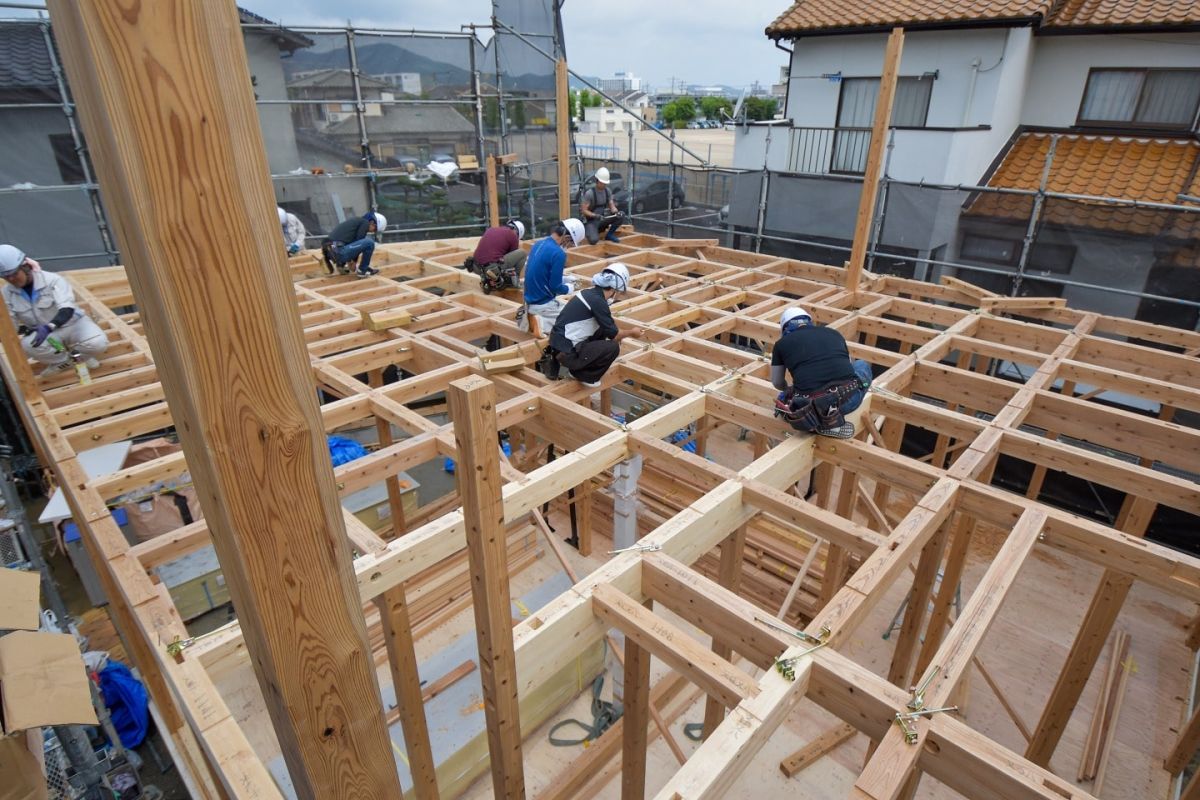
{"x": 343, "y": 450}
{"x": 127, "y": 703}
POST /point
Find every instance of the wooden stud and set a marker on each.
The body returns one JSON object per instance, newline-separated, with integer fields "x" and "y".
{"x": 473, "y": 410}
{"x": 562, "y": 129}
{"x": 730, "y": 576}
{"x": 823, "y": 744}
{"x": 637, "y": 718}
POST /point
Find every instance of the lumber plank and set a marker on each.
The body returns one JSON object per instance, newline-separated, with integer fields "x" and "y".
{"x": 821, "y": 745}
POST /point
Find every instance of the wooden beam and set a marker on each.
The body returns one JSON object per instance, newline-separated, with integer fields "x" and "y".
{"x": 232, "y": 362}
{"x": 493, "y": 193}
{"x": 822, "y": 745}
{"x": 870, "y": 187}
{"x": 635, "y": 734}
{"x": 473, "y": 411}
{"x": 730, "y": 577}
{"x": 562, "y": 128}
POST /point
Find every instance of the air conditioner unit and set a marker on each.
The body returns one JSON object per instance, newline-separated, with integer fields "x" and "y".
{"x": 11, "y": 552}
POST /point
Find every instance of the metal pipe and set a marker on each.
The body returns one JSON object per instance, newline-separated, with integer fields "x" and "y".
{"x": 671, "y": 188}
{"x": 1038, "y": 201}
{"x": 360, "y": 114}
{"x": 502, "y": 114}
{"x": 80, "y": 146}
{"x": 881, "y": 206}
{"x": 480, "y": 146}
{"x": 764, "y": 186}
{"x": 596, "y": 89}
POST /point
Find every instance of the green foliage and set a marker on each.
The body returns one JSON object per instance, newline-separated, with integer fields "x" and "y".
{"x": 682, "y": 110}
{"x": 572, "y": 105}
{"x": 516, "y": 114}
{"x": 761, "y": 108}
{"x": 491, "y": 113}
{"x": 711, "y": 107}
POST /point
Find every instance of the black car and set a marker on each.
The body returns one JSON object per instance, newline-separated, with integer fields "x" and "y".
{"x": 653, "y": 196}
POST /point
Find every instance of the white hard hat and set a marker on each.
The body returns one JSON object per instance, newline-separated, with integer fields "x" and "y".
{"x": 575, "y": 228}
{"x": 380, "y": 222}
{"x": 519, "y": 227}
{"x": 794, "y": 313}
{"x": 282, "y": 215}
{"x": 613, "y": 276}
{"x": 602, "y": 175}
{"x": 11, "y": 259}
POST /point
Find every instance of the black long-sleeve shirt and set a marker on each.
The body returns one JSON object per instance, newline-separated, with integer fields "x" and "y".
{"x": 585, "y": 316}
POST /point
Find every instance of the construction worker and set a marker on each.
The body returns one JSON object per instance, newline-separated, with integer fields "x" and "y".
{"x": 825, "y": 384}
{"x": 351, "y": 241}
{"x": 52, "y": 328}
{"x": 599, "y": 210}
{"x": 293, "y": 231}
{"x": 498, "y": 258}
{"x": 585, "y": 338}
{"x": 544, "y": 279}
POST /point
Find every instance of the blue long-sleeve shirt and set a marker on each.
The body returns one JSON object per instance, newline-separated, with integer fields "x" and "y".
{"x": 544, "y": 272}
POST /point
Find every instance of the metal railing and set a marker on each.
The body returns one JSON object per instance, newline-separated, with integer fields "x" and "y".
{"x": 828, "y": 150}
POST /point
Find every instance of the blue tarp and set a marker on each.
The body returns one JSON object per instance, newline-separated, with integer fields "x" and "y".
{"x": 127, "y": 703}
{"x": 343, "y": 451}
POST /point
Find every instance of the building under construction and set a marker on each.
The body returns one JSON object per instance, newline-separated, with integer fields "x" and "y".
{"x": 924, "y": 610}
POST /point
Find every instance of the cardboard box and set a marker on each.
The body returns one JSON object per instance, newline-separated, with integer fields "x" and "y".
{"x": 21, "y": 776}
{"x": 43, "y": 682}
{"x": 20, "y": 600}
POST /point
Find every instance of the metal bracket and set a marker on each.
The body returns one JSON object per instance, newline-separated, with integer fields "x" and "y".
{"x": 648, "y": 547}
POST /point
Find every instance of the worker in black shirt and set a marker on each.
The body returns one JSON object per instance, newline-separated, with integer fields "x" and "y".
{"x": 825, "y": 383}
{"x": 585, "y": 336}
{"x": 350, "y": 241}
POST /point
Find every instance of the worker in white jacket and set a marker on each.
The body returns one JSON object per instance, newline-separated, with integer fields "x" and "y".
{"x": 293, "y": 231}
{"x": 42, "y": 305}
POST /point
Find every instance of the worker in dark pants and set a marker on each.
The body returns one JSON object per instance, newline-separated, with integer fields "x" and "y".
{"x": 498, "y": 259}
{"x": 599, "y": 210}
{"x": 825, "y": 384}
{"x": 350, "y": 241}
{"x": 585, "y": 337}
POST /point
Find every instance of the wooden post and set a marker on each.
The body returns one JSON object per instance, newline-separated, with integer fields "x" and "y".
{"x": 165, "y": 96}
{"x": 383, "y": 430}
{"x": 870, "y": 189}
{"x": 563, "y": 131}
{"x": 730, "y": 576}
{"x": 583, "y": 516}
{"x": 635, "y": 734}
{"x": 493, "y": 193}
{"x": 473, "y": 410}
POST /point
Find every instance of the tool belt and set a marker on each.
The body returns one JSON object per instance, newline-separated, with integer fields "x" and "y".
{"x": 329, "y": 254}
{"x": 496, "y": 276}
{"x": 816, "y": 410}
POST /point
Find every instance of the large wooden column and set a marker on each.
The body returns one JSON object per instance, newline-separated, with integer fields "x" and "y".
{"x": 473, "y": 410}
{"x": 165, "y": 96}
{"x": 870, "y": 189}
{"x": 563, "y": 134}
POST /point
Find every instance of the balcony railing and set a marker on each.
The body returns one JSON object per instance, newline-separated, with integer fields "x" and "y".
{"x": 825, "y": 150}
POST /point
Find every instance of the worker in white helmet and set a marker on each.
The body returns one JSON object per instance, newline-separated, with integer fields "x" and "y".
{"x": 825, "y": 384}
{"x": 585, "y": 338}
{"x": 544, "y": 280}
{"x": 498, "y": 258}
{"x": 52, "y": 327}
{"x": 351, "y": 241}
{"x": 293, "y": 231}
{"x": 599, "y": 210}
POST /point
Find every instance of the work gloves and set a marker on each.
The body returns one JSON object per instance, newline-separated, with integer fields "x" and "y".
{"x": 39, "y": 335}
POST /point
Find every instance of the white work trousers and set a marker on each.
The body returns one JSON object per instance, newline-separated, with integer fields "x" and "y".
{"x": 546, "y": 314}
{"x": 80, "y": 335}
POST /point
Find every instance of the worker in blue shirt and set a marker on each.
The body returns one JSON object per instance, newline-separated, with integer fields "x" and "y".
{"x": 544, "y": 280}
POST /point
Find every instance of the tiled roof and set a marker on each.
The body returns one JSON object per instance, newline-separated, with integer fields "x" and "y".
{"x": 815, "y": 15}
{"x": 24, "y": 61}
{"x": 1124, "y": 13}
{"x": 1150, "y": 170}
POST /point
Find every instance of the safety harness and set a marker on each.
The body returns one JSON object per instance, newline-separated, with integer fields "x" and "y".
{"x": 819, "y": 410}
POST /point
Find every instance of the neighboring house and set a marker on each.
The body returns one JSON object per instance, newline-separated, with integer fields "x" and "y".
{"x": 983, "y": 84}
{"x": 401, "y": 133}
{"x": 611, "y": 119}
{"x": 337, "y": 87}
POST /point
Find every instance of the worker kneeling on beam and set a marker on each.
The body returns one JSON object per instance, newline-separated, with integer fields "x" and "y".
{"x": 53, "y": 330}
{"x": 293, "y": 231}
{"x": 585, "y": 337}
{"x": 350, "y": 241}
{"x": 498, "y": 258}
{"x": 544, "y": 280}
{"x": 825, "y": 384}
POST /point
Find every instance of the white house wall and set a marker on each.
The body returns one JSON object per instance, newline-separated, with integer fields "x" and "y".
{"x": 1061, "y": 64}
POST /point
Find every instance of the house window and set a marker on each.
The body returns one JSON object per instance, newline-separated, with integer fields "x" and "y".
{"x": 990, "y": 249}
{"x": 856, "y": 109}
{"x": 1047, "y": 257}
{"x": 1147, "y": 98}
{"x": 65, "y": 155}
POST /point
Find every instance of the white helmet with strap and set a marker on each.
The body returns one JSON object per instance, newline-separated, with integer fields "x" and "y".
{"x": 11, "y": 259}
{"x": 614, "y": 276}
{"x": 518, "y": 226}
{"x": 793, "y": 318}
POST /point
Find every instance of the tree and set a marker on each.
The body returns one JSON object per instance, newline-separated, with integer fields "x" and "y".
{"x": 711, "y": 107}
{"x": 761, "y": 108}
{"x": 679, "y": 112}
{"x": 491, "y": 113}
{"x": 572, "y": 106}
{"x": 516, "y": 114}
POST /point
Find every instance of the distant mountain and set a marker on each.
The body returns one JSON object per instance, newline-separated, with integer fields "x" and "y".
{"x": 381, "y": 58}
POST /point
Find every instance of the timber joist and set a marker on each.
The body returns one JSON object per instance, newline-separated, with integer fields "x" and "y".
{"x": 1033, "y": 382}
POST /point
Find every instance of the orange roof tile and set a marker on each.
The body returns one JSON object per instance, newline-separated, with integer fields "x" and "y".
{"x": 1124, "y": 13}
{"x": 1151, "y": 170}
{"x": 813, "y": 15}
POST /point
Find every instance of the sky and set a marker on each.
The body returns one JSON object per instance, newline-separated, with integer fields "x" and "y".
{"x": 697, "y": 41}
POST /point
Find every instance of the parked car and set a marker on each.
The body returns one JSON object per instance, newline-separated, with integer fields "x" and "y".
{"x": 615, "y": 185}
{"x": 652, "y": 196}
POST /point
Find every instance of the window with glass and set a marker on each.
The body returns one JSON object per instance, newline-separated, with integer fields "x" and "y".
{"x": 856, "y": 109}
{"x": 1141, "y": 98}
